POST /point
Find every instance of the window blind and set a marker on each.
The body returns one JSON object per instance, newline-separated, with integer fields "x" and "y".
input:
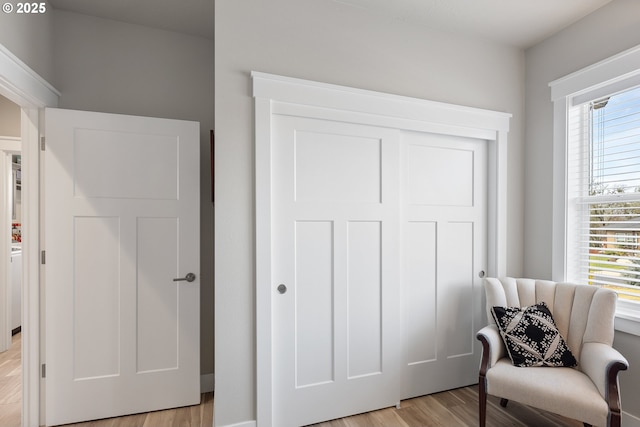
{"x": 604, "y": 192}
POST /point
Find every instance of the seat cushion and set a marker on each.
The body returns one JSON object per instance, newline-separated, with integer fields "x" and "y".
{"x": 531, "y": 336}
{"x": 564, "y": 391}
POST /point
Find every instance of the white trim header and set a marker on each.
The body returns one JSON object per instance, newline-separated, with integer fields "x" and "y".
{"x": 619, "y": 67}
{"x": 325, "y": 95}
{"x": 22, "y": 83}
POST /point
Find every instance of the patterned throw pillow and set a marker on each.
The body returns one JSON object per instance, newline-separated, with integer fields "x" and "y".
{"x": 531, "y": 336}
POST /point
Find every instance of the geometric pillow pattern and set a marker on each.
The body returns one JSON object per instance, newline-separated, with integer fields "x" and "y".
{"x": 531, "y": 336}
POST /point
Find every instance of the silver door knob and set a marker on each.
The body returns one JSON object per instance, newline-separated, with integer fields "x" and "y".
{"x": 190, "y": 277}
{"x": 282, "y": 288}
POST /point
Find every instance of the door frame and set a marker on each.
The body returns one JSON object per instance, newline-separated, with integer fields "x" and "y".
{"x": 20, "y": 84}
{"x": 279, "y": 95}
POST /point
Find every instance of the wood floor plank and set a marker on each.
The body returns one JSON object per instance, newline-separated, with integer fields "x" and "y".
{"x": 10, "y": 414}
{"x": 10, "y": 391}
{"x": 453, "y": 408}
{"x": 434, "y": 408}
{"x": 184, "y": 418}
{"x": 389, "y": 417}
{"x": 11, "y": 384}
{"x": 129, "y": 420}
{"x": 206, "y": 410}
{"x": 160, "y": 419}
{"x": 532, "y": 415}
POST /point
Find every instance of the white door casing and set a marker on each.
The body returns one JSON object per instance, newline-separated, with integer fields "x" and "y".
{"x": 5, "y": 252}
{"x": 121, "y": 222}
{"x": 280, "y": 96}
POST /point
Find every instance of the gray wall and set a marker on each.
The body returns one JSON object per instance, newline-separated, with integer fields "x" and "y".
{"x": 606, "y": 32}
{"x": 28, "y": 37}
{"x": 113, "y": 67}
{"x": 108, "y": 66}
{"x": 9, "y": 118}
{"x": 334, "y": 43}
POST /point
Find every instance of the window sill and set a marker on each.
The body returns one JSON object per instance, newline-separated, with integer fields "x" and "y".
{"x": 628, "y": 317}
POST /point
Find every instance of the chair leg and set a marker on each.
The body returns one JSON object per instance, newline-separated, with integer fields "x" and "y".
{"x": 503, "y": 402}
{"x": 482, "y": 383}
{"x": 482, "y": 400}
{"x": 615, "y": 420}
{"x": 613, "y": 394}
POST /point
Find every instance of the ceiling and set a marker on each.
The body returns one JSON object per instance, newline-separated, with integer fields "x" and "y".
{"x": 520, "y": 23}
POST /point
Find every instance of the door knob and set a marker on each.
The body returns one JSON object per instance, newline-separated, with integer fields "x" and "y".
{"x": 282, "y": 288}
{"x": 190, "y": 277}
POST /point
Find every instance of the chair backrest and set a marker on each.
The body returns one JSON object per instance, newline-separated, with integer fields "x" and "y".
{"x": 582, "y": 313}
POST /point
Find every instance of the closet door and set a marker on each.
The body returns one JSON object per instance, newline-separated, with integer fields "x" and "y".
{"x": 335, "y": 301}
{"x": 444, "y": 246}
{"x": 372, "y": 225}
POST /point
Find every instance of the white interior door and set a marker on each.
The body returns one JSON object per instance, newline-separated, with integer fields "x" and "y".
{"x": 336, "y": 347}
{"x": 444, "y": 248}
{"x": 121, "y": 202}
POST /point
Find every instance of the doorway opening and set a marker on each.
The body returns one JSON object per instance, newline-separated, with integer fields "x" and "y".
{"x": 11, "y": 265}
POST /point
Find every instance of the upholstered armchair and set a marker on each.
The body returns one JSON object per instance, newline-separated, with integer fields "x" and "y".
{"x": 584, "y": 316}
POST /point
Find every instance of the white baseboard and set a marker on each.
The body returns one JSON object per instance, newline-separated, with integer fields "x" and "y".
{"x": 629, "y": 420}
{"x": 207, "y": 383}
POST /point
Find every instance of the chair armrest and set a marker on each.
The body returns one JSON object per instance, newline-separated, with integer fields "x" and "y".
{"x": 602, "y": 363}
{"x": 493, "y": 348}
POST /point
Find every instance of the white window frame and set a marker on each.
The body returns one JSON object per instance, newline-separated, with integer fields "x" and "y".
{"x": 617, "y": 73}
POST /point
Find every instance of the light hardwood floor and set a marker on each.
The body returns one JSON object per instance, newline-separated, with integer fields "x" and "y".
{"x": 11, "y": 384}
{"x": 190, "y": 416}
{"x": 454, "y": 408}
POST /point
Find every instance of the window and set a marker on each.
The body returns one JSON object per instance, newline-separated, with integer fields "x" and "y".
{"x": 596, "y": 180}
{"x": 603, "y": 189}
